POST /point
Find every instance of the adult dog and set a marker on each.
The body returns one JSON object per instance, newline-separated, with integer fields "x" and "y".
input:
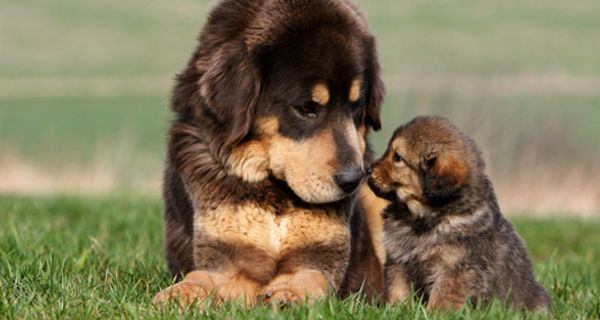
{"x": 266, "y": 151}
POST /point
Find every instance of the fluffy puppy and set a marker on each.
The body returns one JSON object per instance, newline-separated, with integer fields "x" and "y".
{"x": 444, "y": 234}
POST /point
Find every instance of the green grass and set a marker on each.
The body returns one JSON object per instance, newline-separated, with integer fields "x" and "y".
{"x": 66, "y": 257}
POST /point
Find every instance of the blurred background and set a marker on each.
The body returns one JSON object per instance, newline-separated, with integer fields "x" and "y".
{"x": 84, "y": 89}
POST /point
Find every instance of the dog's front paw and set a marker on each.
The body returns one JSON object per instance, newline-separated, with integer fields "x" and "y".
{"x": 303, "y": 286}
{"x": 183, "y": 293}
{"x": 195, "y": 288}
{"x": 281, "y": 296}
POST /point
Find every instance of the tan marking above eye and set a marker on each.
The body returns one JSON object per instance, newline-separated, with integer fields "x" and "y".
{"x": 320, "y": 94}
{"x": 355, "y": 87}
{"x": 400, "y": 146}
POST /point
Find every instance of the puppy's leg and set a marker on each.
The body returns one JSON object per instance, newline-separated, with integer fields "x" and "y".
{"x": 313, "y": 257}
{"x": 450, "y": 291}
{"x": 397, "y": 287}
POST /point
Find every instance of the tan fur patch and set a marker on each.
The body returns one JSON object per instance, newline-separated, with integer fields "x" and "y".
{"x": 246, "y": 224}
{"x": 318, "y": 226}
{"x": 308, "y": 166}
{"x": 372, "y": 207}
{"x": 249, "y": 161}
{"x": 397, "y": 286}
{"x": 400, "y": 146}
{"x": 362, "y": 141}
{"x": 355, "y": 88}
{"x": 324, "y": 230}
{"x": 304, "y": 285}
{"x": 453, "y": 168}
{"x": 320, "y": 94}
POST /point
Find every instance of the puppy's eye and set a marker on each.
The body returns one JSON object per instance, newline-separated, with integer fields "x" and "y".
{"x": 307, "y": 111}
{"x": 396, "y": 157}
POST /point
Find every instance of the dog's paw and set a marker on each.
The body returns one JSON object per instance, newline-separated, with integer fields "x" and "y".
{"x": 303, "y": 286}
{"x": 184, "y": 293}
{"x": 281, "y": 296}
{"x": 195, "y": 288}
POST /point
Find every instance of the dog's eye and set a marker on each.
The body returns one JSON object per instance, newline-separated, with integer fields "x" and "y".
{"x": 396, "y": 157}
{"x": 306, "y": 111}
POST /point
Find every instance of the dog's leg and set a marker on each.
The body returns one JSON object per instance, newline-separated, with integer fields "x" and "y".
{"x": 194, "y": 288}
{"x": 450, "y": 291}
{"x": 313, "y": 257}
{"x": 397, "y": 287}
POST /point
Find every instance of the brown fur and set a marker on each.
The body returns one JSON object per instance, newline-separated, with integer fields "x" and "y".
{"x": 259, "y": 185}
{"x": 444, "y": 234}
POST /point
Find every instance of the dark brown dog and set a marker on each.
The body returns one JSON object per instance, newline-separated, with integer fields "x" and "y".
{"x": 444, "y": 234}
{"x": 266, "y": 151}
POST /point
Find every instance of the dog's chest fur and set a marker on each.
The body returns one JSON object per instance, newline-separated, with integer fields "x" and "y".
{"x": 273, "y": 227}
{"x": 246, "y": 223}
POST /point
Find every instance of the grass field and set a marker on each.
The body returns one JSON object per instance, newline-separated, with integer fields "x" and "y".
{"x": 71, "y": 257}
{"x": 84, "y": 90}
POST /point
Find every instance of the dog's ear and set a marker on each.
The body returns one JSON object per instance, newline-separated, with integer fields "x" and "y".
{"x": 443, "y": 177}
{"x": 376, "y": 90}
{"x": 230, "y": 88}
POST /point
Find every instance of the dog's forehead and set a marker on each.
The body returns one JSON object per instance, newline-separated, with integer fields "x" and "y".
{"x": 323, "y": 55}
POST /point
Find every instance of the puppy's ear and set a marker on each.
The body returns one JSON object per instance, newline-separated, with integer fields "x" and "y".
{"x": 230, "y": 88}
{"x": 376, "y": 90}
{"x": 444, "y": 176}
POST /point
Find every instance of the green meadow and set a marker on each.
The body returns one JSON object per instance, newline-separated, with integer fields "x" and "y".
{"x": 66, "y": 257}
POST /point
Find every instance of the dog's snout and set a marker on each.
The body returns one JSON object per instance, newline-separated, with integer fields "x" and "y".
{"x": 348, "y": 180}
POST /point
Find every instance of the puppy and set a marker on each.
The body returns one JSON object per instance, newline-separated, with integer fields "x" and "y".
{"x": 444, "y": 234}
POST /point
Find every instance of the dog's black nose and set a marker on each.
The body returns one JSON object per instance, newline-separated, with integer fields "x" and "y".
{"x": 348, "y": 180}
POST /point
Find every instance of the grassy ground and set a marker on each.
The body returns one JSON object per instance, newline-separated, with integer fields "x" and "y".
{"x": 84, "y": 90}
{"x": 66, "y": 257}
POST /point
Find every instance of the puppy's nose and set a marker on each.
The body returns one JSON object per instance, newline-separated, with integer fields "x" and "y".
{"x": 348, "y": 180}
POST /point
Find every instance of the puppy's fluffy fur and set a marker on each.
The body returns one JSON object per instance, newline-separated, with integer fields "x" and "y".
{"x": 444, "y": 234}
